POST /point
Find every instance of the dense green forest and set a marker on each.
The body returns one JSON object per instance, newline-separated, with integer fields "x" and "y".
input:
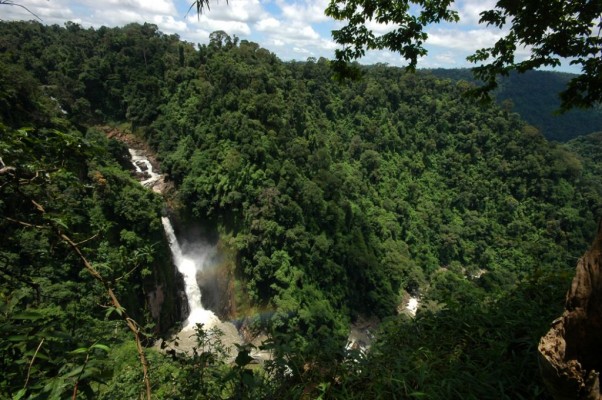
{"x": 337, "y": 199}
{"x": 534, "y": 96}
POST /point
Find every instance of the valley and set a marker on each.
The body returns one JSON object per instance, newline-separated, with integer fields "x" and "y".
{"x": 290, "y": 206}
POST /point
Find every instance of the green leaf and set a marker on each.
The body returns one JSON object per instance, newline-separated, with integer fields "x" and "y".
{"x": 76, "y": 371}
{"x": 39, "y": 355}
{"x": 100, "y": 347}
{"x": 60, "y": 223}
{"x": 20, "y": 394}
{"x": 109, "y": 311}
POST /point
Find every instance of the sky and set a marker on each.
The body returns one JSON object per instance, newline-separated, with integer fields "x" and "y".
{"x": 293, "y": 30}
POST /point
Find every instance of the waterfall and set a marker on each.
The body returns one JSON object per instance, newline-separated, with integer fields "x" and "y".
{"x": 189, "y": 263}
{"x": 143, "y": 166}
{"x": 190, "y": 258}
{"x": 412, "y": 305}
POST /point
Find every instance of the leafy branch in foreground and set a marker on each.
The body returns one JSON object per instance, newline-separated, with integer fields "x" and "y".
{"x": 133, "y": 326}
{"x": 551, "y": 31}
{"x": 407, "y": 34}
{"x": 38, "y": 164}
{"x": 554, "y": 30}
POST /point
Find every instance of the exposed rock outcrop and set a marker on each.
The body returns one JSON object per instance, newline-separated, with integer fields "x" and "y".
{"x": 570, "y": 354}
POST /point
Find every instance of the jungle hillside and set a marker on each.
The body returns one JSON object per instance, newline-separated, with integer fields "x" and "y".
{"x": 335, "y": 202}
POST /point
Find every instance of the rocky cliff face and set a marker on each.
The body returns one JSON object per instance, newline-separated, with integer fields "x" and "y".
{"x": 165, "y": 295}
{"x": 216, "y": 285}
{"x": 570, "y": 354}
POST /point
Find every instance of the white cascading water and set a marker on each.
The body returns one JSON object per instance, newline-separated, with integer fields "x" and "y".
{"x": 137, "y": 161}
{"x": 189, "y": 265}
{"x": 412, "y": 306}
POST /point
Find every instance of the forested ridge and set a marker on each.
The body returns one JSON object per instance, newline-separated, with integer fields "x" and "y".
{"x": 337, "y": 198}
{"x": 534, "y": 95}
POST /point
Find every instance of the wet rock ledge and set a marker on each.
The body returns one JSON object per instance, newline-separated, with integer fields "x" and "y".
{"x": 570, "y": 354}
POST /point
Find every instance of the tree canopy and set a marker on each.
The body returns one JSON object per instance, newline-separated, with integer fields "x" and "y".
{"x": 552, "y": 30}
{"x": 335, "y": 201}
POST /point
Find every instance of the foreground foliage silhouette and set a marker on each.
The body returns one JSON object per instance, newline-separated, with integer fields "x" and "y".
{"x": 562, "y": 29}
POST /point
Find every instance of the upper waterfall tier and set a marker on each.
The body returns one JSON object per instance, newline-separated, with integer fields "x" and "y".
{"x": 144, "y": 166}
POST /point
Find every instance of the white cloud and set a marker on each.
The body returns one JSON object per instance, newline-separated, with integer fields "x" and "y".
{"x": 468, "y": 41}
{"x": 168, "y": 24}
{"x": 49, "y": 11}
{"x": 301, "y": 50}
{"x": 290, "y": 32}
{"x": 236, "y": 10}
{"x": 307, "y": 32}
{"x": 469, "y": 10}
{"x": 381, "y": 29}
{"x": 267, "y": 24}
{"x": 308, "y": 11}
{"x": 235, "y": 18}
{"x": 386, "y": 57}
{"x": 143, "y": 7}
{"x": 277, "y": 42}
{"x": 445, "y": 59}
{"x": 297, "y": 40}
{"x": 117, "y": 17}
{"x": 200, "y": 35}
{"x": 232, "y": 27}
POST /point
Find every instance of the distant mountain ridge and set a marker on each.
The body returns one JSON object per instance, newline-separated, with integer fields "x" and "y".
{"x": 534, "y": 96}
